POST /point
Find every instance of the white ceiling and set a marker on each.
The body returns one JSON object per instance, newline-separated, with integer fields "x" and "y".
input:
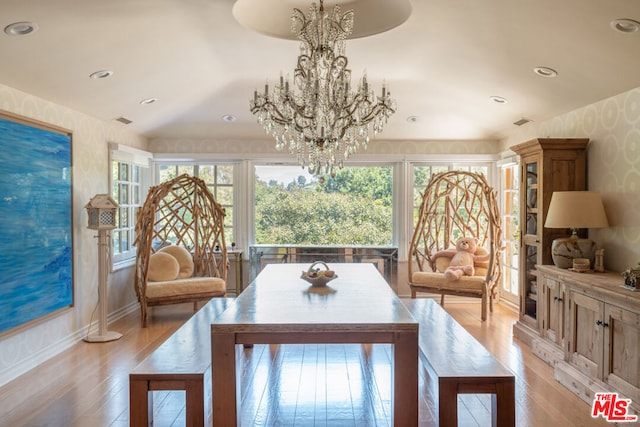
{"x": 442, "y": 65}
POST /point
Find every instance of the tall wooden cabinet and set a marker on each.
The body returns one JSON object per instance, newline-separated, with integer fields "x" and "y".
{"x": 546, "y": 165}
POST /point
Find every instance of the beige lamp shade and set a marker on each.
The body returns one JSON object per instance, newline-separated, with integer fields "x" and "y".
{"x": 574, "y": 209}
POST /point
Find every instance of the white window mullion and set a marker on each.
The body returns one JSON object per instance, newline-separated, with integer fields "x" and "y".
{"x": 129, "y": 169}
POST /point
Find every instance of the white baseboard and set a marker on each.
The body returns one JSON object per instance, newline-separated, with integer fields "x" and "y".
{"x": 111, "y": 317}
{"x": 59, "y": 346}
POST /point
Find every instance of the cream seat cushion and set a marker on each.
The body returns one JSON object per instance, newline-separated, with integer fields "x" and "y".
{"x": 185, "y": 260}
{"x": 163, "y": 267}
{"x": 181, "y": 287}
{"x": 170, "y": 275}
{"x": 436, "y": 279}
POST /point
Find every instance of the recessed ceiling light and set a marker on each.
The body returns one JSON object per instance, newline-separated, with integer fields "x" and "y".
{"x": 102, "y": 74}
{"x": 545, "y": 72}
{"x": 229, "y": 118}
{"x": 412, "y": 119}
{"x": 21, "y": 28}
{"x": 625, "y": 25}
{"x": 499, "y": 100}
{"x": 148, "y": 101}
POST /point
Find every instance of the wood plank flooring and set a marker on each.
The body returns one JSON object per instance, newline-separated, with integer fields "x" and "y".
{"x": 282, "y": 385}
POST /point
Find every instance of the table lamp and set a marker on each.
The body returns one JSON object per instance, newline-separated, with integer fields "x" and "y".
{"x": 574, "y": 210}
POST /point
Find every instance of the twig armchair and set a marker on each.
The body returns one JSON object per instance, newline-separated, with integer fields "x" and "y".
{"x": 181, "y": 252}
{"x": 456, "y": 204}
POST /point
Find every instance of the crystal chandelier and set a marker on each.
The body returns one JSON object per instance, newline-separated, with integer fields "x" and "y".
{"x": 317, "y": 117}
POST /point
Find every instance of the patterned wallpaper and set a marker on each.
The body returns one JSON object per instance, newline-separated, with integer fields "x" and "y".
{"x": 266, "y": 148}
{"x": 25, "y": 349}
{"x": 613, "y": 125}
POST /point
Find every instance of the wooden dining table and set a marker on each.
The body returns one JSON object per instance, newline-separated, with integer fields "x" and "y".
{"x": 279, "y": 307}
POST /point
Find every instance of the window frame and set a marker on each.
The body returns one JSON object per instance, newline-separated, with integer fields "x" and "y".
{"x": 402, "y": 172}
{"x": 510, "y": 271}
{"x": 402, "y": 216}
{"x": 131, "y": 158}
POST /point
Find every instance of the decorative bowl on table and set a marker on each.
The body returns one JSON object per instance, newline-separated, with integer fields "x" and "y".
{"x": 318, "y": 276}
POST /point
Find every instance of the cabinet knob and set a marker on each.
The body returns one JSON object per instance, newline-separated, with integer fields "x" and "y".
{"x": 601, "y": 323}
{"x": 558, "y": 299}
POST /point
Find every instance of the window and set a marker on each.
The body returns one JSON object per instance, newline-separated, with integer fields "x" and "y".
{"x": 219, "y": 180}
{"x": 296, "y": 208}
{"x": 510, "y": 231}
{"x": 126, "y": 191}
{"x": 422, "y": 175}
{"x": 129, "y": 172}
{"x": 167, "y": 172}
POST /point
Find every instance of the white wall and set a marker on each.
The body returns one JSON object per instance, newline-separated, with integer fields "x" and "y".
{"x": 613, "y": 125}
{"x": 25, "y": 349}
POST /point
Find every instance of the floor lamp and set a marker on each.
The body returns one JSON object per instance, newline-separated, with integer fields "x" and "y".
{"x": 102, "y": 217}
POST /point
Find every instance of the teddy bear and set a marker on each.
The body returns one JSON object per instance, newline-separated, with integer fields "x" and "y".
{"x": 463, "y": 258}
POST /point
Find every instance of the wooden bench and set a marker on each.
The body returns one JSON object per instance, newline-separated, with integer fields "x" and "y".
{"x": 182, "y": 362}
{"x": 462, "y": 365}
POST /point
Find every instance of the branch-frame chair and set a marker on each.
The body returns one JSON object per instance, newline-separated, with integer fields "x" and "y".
{"x": 181, "y": 212}
{"x": 457, "y": 204}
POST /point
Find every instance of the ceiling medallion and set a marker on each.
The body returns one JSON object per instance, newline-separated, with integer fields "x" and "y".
{"x": 273, "y": 17}
{"x": 316, "y": 115}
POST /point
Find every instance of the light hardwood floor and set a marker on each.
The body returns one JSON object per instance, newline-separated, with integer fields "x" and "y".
{"x": 301, "y": 385}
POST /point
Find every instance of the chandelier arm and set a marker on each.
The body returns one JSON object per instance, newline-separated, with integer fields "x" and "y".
{"x": 376, "y": 111}
{"x": 270, "y": 107}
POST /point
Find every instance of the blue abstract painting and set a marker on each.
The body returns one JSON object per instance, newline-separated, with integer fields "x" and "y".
{"x": 36, "y": 244}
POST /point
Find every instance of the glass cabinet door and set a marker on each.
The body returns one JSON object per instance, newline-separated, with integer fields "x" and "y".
{"x": 530, "y": 239}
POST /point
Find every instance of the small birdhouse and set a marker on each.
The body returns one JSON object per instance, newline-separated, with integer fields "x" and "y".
{"x": 102, "y": 212}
